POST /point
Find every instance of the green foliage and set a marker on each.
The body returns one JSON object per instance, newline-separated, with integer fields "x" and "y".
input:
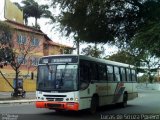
{"x": 148, "y": 38}
{"x": 5, "y": 34}
{"x": 126, "y": 23}
{"x": 124, "y": 57}
{"x": 93, "y": 51}
{"x": 5, "y": 42}
{"x": 100, "y": 20}
{"x": 145, "y": 79}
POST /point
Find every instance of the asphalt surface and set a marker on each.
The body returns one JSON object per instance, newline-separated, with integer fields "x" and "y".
{"x": 145, "y": 107}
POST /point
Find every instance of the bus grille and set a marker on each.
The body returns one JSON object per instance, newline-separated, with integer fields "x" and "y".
{"x": 54, "y": 95}
{"x": 54, "y": 99}
{"x": 54, "y": 105}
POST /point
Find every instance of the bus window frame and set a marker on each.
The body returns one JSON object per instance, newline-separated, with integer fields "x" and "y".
{"x": 104, "y": 72}
{"x": 130, "y": 78}
{"x": 115, "y": 79}
{"x": 134, "y": 75}
{"x": 108, "y": 65}
{"x": 79, "y": 77}
{"x": 122, "y": 74}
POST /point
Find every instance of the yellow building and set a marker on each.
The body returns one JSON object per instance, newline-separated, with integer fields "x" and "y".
{"x": 37, "y": 44}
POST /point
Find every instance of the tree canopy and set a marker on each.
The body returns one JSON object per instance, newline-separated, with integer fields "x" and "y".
{"x": 5, "y": 42}
{"x": 93, "y": 51}
{"x": 122, "y": 22}
{"x": 101, "y": 20}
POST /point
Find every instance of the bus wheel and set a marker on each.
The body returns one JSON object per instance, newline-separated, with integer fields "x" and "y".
{"x": 125, "y": 99}
{"x": 94, "y": 104}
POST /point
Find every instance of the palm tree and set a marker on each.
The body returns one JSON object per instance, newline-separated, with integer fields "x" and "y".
{"x": 25, "y": 12}
{"x": 33, "y": 9}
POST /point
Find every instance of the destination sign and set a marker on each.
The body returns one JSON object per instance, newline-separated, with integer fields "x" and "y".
{"x": 59, "y": 59}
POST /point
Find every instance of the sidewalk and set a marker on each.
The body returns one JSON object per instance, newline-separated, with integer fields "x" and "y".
{"x": 5, "y": 98}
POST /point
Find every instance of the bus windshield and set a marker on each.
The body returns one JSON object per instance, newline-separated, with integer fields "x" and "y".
{"x": 57, "y": 77}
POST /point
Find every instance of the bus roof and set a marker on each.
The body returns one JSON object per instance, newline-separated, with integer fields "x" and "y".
{"x": 109, "y": 62}
{"x": 84, "y": 57}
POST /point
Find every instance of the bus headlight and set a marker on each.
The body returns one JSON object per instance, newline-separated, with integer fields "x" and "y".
{"x": 76, "y": 99}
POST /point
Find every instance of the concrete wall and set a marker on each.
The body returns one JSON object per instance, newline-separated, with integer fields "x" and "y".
{"x": 28, "y": 85}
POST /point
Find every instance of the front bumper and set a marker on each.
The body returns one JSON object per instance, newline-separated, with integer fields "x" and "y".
{"x": 58, "y": 105}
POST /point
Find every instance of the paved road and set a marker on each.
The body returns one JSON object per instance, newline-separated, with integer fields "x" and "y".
{"x": 147, "y": 103}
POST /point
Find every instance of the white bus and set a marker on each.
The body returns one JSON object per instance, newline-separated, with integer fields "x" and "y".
{"x": 76, "y": 82}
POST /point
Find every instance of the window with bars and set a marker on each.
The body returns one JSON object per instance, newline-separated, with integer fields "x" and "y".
{"x": 21, "y": 39}
{"x": 21, "y": 59}
{"x": 34, "y": 61}
{"x": 35, "y": 42}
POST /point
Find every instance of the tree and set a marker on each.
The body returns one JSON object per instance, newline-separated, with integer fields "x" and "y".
{"x": 121, "y": 22}
{"x": 5, "y": 45}
{"x": 16, "y": 56}
{"x": 33, "y": 9}
{"x": 124, "y": 57}
{"x": 144, "y": 62}
{"x": 100, "y": 21}
{"x": 93, "y": 51}
{"x": 148, "y": 39}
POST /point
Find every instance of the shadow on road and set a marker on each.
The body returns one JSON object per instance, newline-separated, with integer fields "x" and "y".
{"x": 79, "y": 115}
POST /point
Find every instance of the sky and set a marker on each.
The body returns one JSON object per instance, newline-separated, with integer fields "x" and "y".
{"x": 53, "y": 33}
{"x": 46, "y": 28}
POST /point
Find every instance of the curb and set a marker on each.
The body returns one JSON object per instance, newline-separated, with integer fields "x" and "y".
{"x": 17, "y": 101}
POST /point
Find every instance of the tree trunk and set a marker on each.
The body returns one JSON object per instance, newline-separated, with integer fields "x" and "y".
{"x": 149, "y": 73}
{"x": 77, "y": 42}
{"x": 35, "y": 22}
{"x": 95, "y": 50}
{"x": 16, "y": 83}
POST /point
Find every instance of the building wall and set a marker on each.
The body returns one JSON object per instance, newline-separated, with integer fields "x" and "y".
{"x": 53, "y": 50}
{"x": 28, "y": 85}
{"x": 35, "y": 51}
{"x": 34, "y": 54}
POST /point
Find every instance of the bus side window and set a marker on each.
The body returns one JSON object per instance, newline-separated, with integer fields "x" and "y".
{"x": 117, "y": 74}
{"x": 84, "y": 74}
{"x": 133, "y": 75}
{"x": 123, "y": 74}
{"x": 128, "y": 71}
{"x": 110, "y": 72}
{"x": 93, "y": 71}
{"x": 101, "y": 72}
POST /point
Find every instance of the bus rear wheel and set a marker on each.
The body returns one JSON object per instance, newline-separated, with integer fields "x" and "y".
{"x": 94, "y": 104}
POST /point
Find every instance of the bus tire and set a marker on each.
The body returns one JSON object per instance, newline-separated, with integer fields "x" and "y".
{"x": 125, "y": 99}
{"x": 94, "y": 104}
